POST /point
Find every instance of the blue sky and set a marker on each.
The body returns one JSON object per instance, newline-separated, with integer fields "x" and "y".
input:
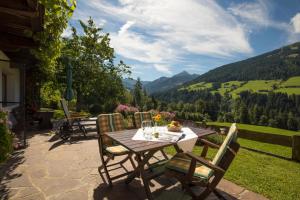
{"x": 164, "y": 37}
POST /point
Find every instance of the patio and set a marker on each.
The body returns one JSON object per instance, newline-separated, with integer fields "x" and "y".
{"x": 51, "y": 169}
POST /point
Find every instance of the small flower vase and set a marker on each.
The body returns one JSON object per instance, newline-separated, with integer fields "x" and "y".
{"x": 156, "y": 134}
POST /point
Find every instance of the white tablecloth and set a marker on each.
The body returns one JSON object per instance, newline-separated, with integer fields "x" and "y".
{"x": 187, "y": 144}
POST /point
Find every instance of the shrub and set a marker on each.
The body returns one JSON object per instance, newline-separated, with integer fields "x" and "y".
{"x": 58, "y": 114}
{"x": 50, "y": 96}
{"x": 126, "y": 110}
{"x": 6, "y": 138}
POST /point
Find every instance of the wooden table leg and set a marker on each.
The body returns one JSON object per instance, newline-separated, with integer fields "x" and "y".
{"x": 145, "y": 181}
{"x": 142, "y": 161}
{"x": 177, "y": 148}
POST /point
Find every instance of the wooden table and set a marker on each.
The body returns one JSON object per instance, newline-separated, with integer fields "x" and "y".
{"x": 144, "y": 150}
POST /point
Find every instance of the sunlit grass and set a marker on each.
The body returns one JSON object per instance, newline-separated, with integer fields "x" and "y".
{"x": 259, "y": 129}
{"x": 273, "y": 177}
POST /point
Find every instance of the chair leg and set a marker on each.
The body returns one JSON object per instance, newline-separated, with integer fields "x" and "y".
{"x": 132, "y": 162}
{"x": 104, "y": 162}
{"x": 107, "y": 176}
{"x": 83, "y": 130}
{"x": 103, "y": 166}
{"x": 205, "y": 193}
{"x": 164, "y": 154}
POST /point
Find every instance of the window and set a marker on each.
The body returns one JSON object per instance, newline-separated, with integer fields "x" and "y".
{"x": 4, "y": 90}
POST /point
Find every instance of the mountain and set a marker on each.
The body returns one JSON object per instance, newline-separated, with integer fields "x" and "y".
{"x": 129, "y": 83}
{"x": 165, "y": 83}
{"x": 278, "y": 64}
{"x": 162, "y": 83}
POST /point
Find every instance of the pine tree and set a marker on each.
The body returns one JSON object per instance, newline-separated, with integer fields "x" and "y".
{"x": 138, "y": 94}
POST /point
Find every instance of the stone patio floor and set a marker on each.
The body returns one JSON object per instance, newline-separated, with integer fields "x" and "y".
{"x": 51, "y": 169}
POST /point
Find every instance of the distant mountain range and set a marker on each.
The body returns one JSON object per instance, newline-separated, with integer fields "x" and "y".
{"x": 163, "y": 83}
{"x": 129, "y": 83}
{"x": 281, "y": 63}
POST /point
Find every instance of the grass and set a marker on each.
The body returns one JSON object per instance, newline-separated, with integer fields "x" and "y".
{"x": 261, "y": 86}
{"x": 272, "y": 177}
{"x": 289, "y": 91}
{"x": 259, "y": 129}
{"x": 293, "y": 81}
{"x": 228, "y": 87}
{"x": 198, "y": 86}
{"x": 266, "y": 147}
{"x": 290, "y": 86}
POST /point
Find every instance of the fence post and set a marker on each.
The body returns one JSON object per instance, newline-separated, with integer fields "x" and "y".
{"x": 296, "y": 148}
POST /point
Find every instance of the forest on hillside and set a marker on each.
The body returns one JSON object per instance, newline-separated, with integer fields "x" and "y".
{"x": 272, "y": 109}
{"x": 278, "y": 64}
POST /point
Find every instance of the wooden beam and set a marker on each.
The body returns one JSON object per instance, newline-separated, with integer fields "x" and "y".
{"x": 32, "y": 4}
{"x": 7, "y": 18}
{"x": 14, "y": 28}
{"x": 20, "y": 13}
{"x": 14, "y": 4}
{"x": 9, "y": 41}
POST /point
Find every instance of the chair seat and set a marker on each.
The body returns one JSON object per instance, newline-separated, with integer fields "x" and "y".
{"x": 117, "y": 150}
{"x": 181, "y": 163}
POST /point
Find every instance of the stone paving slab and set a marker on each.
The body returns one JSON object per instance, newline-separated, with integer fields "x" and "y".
{"x": 54, "y": 170}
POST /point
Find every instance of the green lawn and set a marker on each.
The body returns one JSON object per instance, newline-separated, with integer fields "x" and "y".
{"x": 290, "y": 86}
{"x": 228, "y": 86}
{"x": 293, "y": 81}
{"x": 198, "y": 86}
{"x": 289, "y": 91}
{"x": 272, "y": 177}
{"x": 266, "y": 147}
{"x": 260, "y": 129}
{"x": 260, "y": 86}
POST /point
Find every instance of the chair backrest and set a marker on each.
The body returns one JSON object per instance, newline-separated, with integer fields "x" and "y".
{"x": 230, "y": 138}
{"x": 141, "y": 116}
{"x": 65, "y": 108}
{"x": 108, "y": 123}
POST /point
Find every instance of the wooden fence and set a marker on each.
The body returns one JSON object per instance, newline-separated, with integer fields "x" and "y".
{"x": 283, "y": 140}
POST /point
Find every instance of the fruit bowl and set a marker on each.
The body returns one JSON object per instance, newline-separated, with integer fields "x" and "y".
{"x": 174, "y": 128}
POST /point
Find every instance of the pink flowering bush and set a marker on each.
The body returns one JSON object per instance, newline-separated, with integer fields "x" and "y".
{"x": 168, "y": 116}
{"x": 126, "y": 110}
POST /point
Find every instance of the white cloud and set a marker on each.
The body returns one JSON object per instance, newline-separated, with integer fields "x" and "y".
{"x": 135, "y": 46}
{"x": 256, "y": 15}
{"x": 254, "y": 12}
{"x": 190, "y": 26}
{"x": 163, "y": 68}
{"x": 296, "y": 23}
{"x": 67, "y": 32}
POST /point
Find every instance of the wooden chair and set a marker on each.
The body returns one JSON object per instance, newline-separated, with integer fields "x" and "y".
{"x": 139, "y": 117}
{"x": 108, "y": 149}
{"x": 192, "y": 171}
{"x": 75, "y": 122}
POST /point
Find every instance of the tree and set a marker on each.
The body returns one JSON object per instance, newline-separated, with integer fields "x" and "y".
{"x": 94, "y": 74}
{"x": 138, "y": 94}
{"x": 55, "y": 20}
{"x": 154, "y": 102}
{"x": 292, "y": 122}
{"x": 216, "y": 85}
{"x": 244, "y": 114}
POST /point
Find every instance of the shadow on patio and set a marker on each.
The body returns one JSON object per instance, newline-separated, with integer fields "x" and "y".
{"x": 48, "y": 169}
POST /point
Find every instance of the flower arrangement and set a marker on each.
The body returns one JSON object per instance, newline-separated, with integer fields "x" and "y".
{"x": 157, "y": 118}
{"x": 163, "y": 118}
